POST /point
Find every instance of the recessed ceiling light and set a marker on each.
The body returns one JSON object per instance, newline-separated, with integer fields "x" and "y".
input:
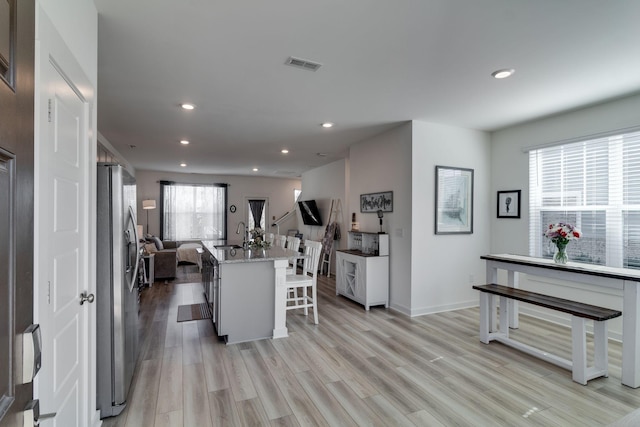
{"x": 255, "y": 169}
{"x": 184, "y": 165}
{"x": 184, "y": 142}
{"x": 327, "y": 125}
{"x": 188, "y": 106}
{"x": 284, "y": 151}
{"x": 503, "y": 74}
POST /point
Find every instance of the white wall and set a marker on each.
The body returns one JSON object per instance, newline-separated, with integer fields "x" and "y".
{"x": 443, "y": 266}
{"x": 323, "y": 184}
{"x": 511, "y": 172}
{"x": 279, "y": 192}
{"x": 77, "y": 23}
{"x": 383, "y": 163}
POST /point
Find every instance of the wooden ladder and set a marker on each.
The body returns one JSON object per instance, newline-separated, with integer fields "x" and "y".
{"x": 325, "y": 258}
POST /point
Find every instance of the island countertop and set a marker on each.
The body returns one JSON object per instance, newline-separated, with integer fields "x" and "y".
{"x": 239, "y": 255}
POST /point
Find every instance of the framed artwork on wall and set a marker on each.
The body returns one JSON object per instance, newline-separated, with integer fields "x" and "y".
{"x": 509, "y": 204}
{"x": 375, "y": 202}
{"x": 454, "y": 200}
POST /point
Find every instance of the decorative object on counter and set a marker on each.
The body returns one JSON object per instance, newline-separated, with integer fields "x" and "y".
{"x": 355, "y": 226}
{"x": 509, "y": 204}
{"x": 257, "y": 239}
{"x": 374, "y": 202}
{"x": 380, "y": 215}
{"x": 560, "y": 235}
{"x": 454, "y": 200}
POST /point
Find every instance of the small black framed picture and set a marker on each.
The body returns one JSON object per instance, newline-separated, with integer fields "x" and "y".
{"x": 509, "y": 204}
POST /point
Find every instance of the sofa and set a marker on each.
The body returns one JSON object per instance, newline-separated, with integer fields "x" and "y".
{"x": 166, "y": 255}
{"x": 165, "y": 260}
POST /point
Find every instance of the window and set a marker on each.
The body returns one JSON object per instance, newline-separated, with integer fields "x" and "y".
{"x": 595, "y": 185}
{"x": 191, "y": 211}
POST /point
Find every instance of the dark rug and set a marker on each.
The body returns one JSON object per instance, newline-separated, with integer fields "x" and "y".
{"x": 194, "y": 312}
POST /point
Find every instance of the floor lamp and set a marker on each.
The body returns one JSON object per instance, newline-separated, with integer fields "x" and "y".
{"x": 147, "y": 205}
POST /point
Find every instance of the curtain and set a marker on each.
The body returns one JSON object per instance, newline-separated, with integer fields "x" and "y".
{"x": 193, "y": 211}
{"x": 257, "y": 206}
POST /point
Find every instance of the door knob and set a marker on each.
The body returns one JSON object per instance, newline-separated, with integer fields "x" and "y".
{"x": 88, "y": 298}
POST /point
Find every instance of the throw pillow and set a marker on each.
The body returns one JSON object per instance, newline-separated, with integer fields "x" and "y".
{"x": 158, "y": 242}
{"x": 150, "y": 248}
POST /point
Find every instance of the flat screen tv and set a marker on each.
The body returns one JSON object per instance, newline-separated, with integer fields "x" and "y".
{"x": 310, "y": 213}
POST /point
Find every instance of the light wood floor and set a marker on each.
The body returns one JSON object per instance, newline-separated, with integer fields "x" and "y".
{"x": 377, "y": 368}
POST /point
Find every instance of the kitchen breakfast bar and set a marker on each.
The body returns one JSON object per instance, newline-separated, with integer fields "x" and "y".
{"x": 246, "y": 290}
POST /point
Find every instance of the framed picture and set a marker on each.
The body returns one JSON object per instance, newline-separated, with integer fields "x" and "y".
{"x": 375, "y": 202}
{"x": 509, "y": 204}
{"x": 454, "y": 200}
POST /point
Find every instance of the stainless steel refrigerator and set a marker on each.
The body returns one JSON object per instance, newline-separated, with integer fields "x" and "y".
{"x": 117, "y": 291}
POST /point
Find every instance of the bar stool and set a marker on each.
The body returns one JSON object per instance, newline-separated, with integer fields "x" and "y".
{"x": 307, "y": 281}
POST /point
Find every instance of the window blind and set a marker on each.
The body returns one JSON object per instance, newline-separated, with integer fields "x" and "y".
{"x": 193, "y": 211}
{"x": 594, "y": 185}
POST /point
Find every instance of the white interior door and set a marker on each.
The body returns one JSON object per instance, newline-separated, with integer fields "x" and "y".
{"x": 61, "y": 243}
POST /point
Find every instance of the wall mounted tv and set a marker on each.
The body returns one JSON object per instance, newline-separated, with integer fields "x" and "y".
{"x": 310, "y": 213}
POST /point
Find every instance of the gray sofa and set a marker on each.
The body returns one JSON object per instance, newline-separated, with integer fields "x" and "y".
{"x": 166, "y": 259}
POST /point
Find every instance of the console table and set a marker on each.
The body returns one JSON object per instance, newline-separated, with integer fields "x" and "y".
{"x": 625, "y": 280}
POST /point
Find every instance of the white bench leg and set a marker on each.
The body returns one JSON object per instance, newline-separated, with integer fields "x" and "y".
{"x": 512, "y": 280}
{"x": 486, "y": 302}
{"x": 600, "y": 342}
{"x": 504, "y": 316}
{"x": 579, "y": 349}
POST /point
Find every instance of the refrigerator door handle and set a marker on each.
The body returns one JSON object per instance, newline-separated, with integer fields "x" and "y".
{"x": 132, "y": 219}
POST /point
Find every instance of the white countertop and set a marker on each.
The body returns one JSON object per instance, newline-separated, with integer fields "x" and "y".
{"x": 228, "y": 256}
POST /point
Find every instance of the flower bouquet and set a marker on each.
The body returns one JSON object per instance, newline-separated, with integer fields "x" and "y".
{"x": 257, "y": 239}
{"x": 561, "y": 234}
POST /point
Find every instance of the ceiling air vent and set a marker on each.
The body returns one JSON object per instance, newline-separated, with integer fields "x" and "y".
{"x": 303, "y": 63}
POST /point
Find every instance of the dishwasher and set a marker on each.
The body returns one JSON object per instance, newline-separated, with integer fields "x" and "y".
{"x": 210, "y": 279}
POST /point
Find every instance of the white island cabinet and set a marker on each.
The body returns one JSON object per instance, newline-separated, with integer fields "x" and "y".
{"x": 247, "y": 291}
{"x": 363, "y": 269}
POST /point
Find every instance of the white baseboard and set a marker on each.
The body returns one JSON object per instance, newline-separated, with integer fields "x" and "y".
{"x": 442, "y": 308}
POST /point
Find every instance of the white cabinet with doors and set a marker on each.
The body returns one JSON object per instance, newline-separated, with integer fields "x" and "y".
{"x": 363, "y": 270}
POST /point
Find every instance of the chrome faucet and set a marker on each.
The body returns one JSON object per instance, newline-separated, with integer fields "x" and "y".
{"x": 245, "y": 237}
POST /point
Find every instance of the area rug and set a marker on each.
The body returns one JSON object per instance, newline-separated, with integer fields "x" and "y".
{"x": 194, "y": 312}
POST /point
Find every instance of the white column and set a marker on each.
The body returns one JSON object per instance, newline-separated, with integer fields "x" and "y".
{"x": 280, "y": 319}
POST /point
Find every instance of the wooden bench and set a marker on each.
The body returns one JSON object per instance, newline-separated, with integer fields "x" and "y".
{"x": 579, "y": 314}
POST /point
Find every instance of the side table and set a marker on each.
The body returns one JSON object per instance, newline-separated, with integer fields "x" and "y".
{"x": 149, "y": 268}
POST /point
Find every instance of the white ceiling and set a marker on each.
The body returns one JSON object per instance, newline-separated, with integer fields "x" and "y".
{"x": 383, "y": 62}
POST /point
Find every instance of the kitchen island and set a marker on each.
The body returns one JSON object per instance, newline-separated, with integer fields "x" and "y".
{"x": 247, "y": 291}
